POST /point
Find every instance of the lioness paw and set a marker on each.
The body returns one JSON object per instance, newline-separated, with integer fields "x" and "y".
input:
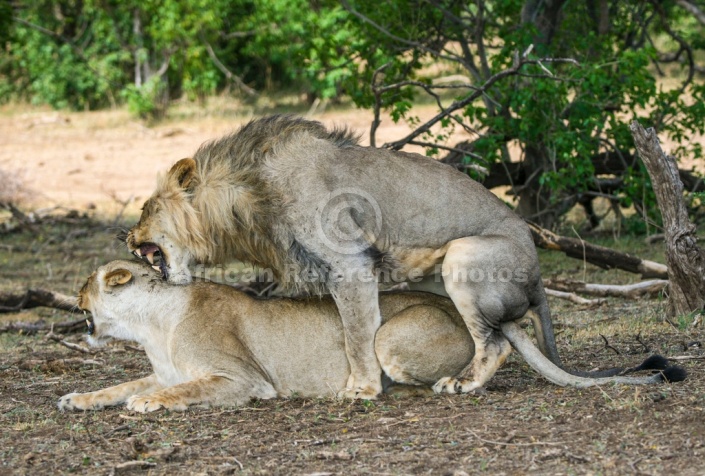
{"x": 78, "y": 401}
{"x": 454, "y": 385}
{"x": 151, "y": 403}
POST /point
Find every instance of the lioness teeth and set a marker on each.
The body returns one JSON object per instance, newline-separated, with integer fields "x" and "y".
{"x": 137, "y": 252}
{"x": 156, "y": 268}
{"x": 150, "y": 257}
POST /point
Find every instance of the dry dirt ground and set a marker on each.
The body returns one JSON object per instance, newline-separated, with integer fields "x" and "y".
{"x": 522, "y": 425}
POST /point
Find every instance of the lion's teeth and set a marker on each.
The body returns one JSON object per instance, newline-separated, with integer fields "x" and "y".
{"x": 137, "y": 252}
{"x": 156, "y": 268}
{"x": 150, "y": 257}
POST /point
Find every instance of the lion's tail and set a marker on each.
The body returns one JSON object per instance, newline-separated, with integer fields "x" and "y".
{"x": 553, "y": 373}
{"x": 543, "y": 328}
{"x": 540, "y": 316}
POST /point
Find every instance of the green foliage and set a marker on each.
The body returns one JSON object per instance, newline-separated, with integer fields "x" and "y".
{"x": 561, "y": 115}
{"x": 95, "y": 53}
{"x": 146, "y": 102}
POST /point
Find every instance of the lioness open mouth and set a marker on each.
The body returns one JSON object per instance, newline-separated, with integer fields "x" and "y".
{"x": 153, "y": 255}
{"x": 91, "y": 325}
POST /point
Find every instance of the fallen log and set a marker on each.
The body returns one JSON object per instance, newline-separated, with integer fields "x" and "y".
{"x": 601, "y": 256}
{"x": 78, "y": 325}
{"x": 630, "y": 291}
{"x": 14, "y": 302}
{"x": 686, "y": 261}
{"x": 574, "y": 298}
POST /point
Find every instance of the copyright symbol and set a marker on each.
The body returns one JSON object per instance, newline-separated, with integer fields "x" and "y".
{"x": 349, "y": 220}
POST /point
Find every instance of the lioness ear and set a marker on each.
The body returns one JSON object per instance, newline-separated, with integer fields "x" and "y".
{"x": 184, "y": 171}
{"x": 118, "y": 277}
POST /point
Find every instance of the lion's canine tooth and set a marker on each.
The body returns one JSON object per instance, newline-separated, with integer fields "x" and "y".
{"x": 156, "y": 268}
{"x": 150, "y": 257}
{"x": 137, "y": 252}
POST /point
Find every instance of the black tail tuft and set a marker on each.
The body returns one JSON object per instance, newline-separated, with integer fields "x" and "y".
{"x": 655, "y": 362}
{"x": 674, "y": 374}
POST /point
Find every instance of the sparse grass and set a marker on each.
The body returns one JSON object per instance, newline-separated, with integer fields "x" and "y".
{"x": 523, "y": 425}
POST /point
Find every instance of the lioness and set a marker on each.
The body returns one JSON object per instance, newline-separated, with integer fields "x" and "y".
{"x": 211, "y": 344}
{"x": 324, "y": 213}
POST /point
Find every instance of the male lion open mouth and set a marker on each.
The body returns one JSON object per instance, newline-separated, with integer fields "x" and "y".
{"x": 328, "y": 215}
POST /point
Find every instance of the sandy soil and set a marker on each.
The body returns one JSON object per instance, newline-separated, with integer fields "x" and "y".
{"x": 96, "y": 159}
{"x": 523, "y": 425}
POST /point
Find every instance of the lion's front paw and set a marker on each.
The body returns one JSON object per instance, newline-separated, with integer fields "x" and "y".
{"x": 151, "y": 403}
{"x": 454, "y": 385}
{"x": 78, "y": 401}
{"x": 359, "y": 393}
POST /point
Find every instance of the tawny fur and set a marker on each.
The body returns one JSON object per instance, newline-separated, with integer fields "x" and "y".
{"x": 210, "y": 344}
{"x": 260, "y": 195}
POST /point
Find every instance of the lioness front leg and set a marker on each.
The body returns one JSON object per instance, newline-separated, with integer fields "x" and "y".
{"x": 108, "y": 397}
{"x": 359, "y": 309}
{"x": 209, "y": 390}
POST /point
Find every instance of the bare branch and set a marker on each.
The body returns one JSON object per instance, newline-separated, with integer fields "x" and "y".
{"x": 692, "y": 9}
{"x": 574, "y": 298}
{"x": 426, "y": 127}
{"x": 78, "y": 325}
{"x": 13, "y": 302}
{"x": 479, "y": 168}
{"x": 165, "y": 65}
{"x": 651, "y": 287}
{"x": 601, "y": 256}
{"x": 378, "y": 103}
{"x": 70, "y": 345}
{"x": 228, "y": 74}
{"x": 238, "y": 34}
{"x": 413, "y": 44}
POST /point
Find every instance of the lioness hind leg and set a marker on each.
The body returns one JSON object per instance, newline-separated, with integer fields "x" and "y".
{"x": 210, "y": 390}
{"x": 421, "y": 344}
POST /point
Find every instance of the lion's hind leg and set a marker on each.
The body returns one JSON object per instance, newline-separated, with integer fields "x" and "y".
{"x": 492, "y": 349}
{"x": 480, "y": 276}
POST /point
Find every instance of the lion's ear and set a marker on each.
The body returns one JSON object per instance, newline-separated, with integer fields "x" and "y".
{"x": 118, "y": 277}
{"x": 184, "y": 172}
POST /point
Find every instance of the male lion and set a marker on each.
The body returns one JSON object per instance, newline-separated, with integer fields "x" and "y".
{"x": 325, "y": 213}
{"x": 210, "y": 344}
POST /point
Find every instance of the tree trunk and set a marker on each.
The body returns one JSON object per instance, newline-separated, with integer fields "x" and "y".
{"x": 685, "y": 260}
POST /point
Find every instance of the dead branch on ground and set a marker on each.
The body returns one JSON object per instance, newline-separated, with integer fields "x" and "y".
{"x": 608, "y": 346}
{"x": 629, "y": 291}
{"x": 601, "y": 256}
{"x": 574, "y": 298}
{"x": 70, "y": 345}
{"x": 14, "y": 302}
{"x": 34, "y": 327}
